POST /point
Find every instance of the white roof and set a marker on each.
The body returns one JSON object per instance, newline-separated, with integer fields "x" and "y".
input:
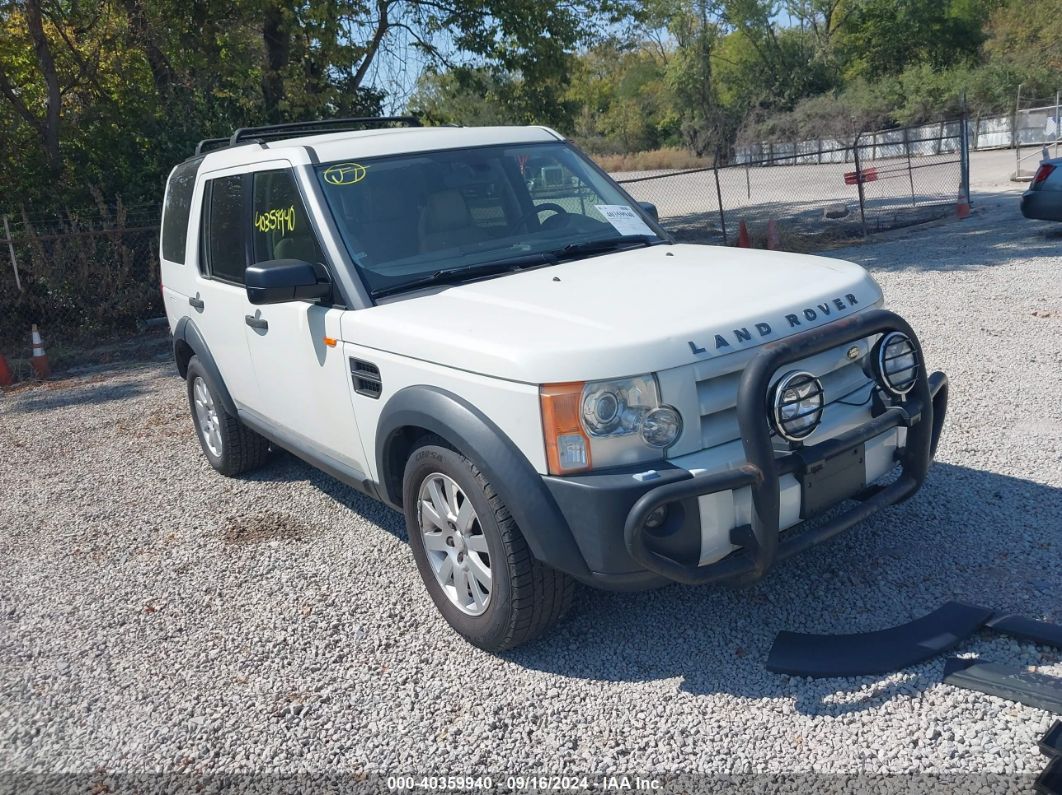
{"x": 377, "y": 143}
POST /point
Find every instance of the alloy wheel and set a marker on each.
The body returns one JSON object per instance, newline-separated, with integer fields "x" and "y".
{"x": 207, "y": 416}
{"x": 454, "y": 542}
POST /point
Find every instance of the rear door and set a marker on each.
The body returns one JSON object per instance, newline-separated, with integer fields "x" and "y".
{"x": 176, "y": 254}
{"x": 295, "y": 346}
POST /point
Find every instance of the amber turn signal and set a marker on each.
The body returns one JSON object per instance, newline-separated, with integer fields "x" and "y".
{"x": 567, "y": 447}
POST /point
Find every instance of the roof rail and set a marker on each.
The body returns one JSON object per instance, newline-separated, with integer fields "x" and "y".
{"x": 277, "y": 132}
{"x": 210, "y": 144}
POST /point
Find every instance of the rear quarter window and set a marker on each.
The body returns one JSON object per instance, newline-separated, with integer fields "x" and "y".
{"x": 177, "y": 210}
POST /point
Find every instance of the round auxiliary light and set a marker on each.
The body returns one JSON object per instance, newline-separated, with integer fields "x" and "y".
{"x": 661, "y": 427}
{"x": 896, "y": 362}
{"x": 797, "y": 405}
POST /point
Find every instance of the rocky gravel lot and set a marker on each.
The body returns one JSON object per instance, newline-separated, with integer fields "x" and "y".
{"x": 156, "y": 617}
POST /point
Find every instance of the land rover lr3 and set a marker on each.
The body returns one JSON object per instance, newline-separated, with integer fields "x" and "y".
{"x": 546, "y": 385}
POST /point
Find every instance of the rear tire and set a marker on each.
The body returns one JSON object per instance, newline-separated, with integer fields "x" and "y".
{"x": 229, "y": 446}
{"x": 521, "y": 598}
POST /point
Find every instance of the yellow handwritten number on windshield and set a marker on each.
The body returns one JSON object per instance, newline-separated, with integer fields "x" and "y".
{"x": 344, "y": 174}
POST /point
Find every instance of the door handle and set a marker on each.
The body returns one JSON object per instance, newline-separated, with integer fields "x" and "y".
{"x": 259, "y": 323}
{"x": 196, "y": 303}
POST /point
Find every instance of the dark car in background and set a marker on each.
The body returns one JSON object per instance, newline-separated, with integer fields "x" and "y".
{"x": 1043, "y": 199}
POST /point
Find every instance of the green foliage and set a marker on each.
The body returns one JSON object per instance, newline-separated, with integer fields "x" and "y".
{"x": 471, "y": 97}
{"x": 706, "y": 73}
{"x": 109, "y": 95}
{"x": 622, "y": 100}
{"x": 885, "y": 37}
{"x": 1028, "y": 33}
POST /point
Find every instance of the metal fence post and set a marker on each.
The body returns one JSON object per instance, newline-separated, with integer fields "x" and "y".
{"x": 1015, "y": 135}
{"x": 859, "y": 185}
{"x": 11, "y": 250}
{"x": 1058, "y": 124}
{"x": 964, "y": 150}
{"x": 910, "y": 170}
{"x": 719, "y": 199}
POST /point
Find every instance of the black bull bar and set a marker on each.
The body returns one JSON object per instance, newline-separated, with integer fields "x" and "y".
{"x": 921, "y": 412}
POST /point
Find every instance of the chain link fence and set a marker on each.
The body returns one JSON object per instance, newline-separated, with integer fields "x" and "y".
{"x": 83, "y": 278}
{"x": 814, "y": 191}
{"x": 1037, "y": 133}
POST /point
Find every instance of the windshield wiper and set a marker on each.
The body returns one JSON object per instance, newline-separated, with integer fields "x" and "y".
{"x": 452, "y": 275}
{"x": 602, "y": 246}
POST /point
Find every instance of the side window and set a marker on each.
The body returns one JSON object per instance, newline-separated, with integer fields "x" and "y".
{"x": 226, "y": 255}
{"x": 177, "y": 209}
{"x": 281, "y": 227}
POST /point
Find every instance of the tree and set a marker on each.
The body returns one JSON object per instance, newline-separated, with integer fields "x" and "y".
{"x": 697, "y": 27}
{"x": 884, "y": 37}
{"x": 469, "y": 97}
{"x": 1027, "y": 34}
{"x": 35, "y": 87}
{"x": 111, "y": 94}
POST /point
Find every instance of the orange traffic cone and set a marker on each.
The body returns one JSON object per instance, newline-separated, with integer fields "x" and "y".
{"x": 774, "y": 239}
{"x": 6, "y": 378}
{"x": 743, "y": 236}
{"x": 39, "y": 360}
{"x": 962, "y": 206}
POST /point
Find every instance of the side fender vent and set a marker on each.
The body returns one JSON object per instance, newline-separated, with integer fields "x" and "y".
{"x": 366, "y": 378}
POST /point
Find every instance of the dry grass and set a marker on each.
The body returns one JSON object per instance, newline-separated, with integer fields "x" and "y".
{"x": 655, "y": 160}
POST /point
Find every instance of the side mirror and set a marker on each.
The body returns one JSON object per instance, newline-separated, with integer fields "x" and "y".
{"x": 281, "y": 280}
{"x": 650, "y": 209}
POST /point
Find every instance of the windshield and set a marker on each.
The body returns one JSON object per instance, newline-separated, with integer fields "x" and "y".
{"x": 413, "y": 219}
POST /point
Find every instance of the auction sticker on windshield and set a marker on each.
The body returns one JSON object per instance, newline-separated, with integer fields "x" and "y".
{"x": 624, "y": 219}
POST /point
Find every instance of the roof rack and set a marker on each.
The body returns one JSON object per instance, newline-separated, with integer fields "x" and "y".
{"x": 277, "y": 132}
{"x": 209, "y": 145}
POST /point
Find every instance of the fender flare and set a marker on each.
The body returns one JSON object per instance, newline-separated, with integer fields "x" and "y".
{"x": 187, "y": 332}
{"x": 880, "y": 652}
{"x": 472, "y": 433}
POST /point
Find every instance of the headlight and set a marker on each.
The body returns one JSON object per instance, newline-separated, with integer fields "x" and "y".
{"x": 797, "y": 405}
{"x": 896, "y": 363}
{"x": 661, "y": 427}
{"x": 606, "y": 423}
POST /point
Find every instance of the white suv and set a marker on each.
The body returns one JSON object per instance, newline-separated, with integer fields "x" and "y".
{"x": 481, "y": 329}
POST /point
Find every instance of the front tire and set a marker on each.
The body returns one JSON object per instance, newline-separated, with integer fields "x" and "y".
{"x": 472, "y": 557}
{"x": 230, "y": 446}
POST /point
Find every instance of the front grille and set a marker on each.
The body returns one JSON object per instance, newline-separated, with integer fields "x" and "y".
{"x": 841, "y": 377}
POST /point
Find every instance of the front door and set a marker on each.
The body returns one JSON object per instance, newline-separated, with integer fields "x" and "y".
{"x": 219, "y": 305}
{"x": 295, "y": 346}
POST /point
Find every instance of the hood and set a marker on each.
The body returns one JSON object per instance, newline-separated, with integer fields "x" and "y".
{"x": 635, "y": 311}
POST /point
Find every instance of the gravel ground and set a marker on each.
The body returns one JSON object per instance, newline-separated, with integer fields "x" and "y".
{"x": 156, "y": 617}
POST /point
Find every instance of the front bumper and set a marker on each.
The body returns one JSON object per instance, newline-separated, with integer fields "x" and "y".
{"x": 759, "y": 542}
{"x": 597, "y": 505}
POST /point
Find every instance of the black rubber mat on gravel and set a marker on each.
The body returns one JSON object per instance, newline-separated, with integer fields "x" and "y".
{"x": 1051, "y": 743}
{"x": 1028, "y": 629}
{"x": 1050, "y": 781}
{"x": 880, "y": 652}
{"x": 1014, "y": 684}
